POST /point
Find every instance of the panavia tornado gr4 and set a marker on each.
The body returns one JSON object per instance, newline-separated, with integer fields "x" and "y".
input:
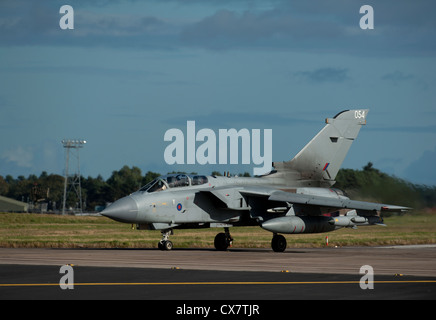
{"x": 296, "y": 197}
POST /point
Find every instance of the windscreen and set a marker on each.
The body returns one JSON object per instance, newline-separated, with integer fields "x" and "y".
{"x": 173, "y": 181}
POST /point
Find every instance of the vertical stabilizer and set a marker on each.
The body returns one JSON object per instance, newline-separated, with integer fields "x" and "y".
{"x": 321, "y": 159}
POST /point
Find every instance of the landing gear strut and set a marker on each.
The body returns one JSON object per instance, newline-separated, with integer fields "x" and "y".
{"x": 223, "y": 240}
{"x": 278, "y": 243}
{"x": 165, "y": 243}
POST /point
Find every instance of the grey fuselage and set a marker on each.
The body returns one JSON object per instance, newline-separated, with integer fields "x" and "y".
{"x": 189, "y": 205}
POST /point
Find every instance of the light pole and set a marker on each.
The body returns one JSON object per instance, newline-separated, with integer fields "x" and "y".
{"x": 72, "y": 181}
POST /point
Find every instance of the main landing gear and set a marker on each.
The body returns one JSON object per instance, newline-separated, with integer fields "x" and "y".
{"x": 165, "y": 244}
{"x": 278, "y": 243}
{"x": 223, "y": 240}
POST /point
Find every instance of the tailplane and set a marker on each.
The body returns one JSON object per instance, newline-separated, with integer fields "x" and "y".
{"x": 320, "y": 160}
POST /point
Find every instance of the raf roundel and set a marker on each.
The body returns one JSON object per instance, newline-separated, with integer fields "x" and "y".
{"x": 179, "y": 206}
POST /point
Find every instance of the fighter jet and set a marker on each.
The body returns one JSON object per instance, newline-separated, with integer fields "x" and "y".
{"x": 295, "y": 197}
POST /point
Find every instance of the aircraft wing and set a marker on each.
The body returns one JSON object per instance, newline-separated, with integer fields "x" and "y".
{"x": 225, "y": 197}
{"x": 321, "y": 201}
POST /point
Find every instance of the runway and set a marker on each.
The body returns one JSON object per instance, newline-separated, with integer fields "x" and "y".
{"x": 203, "y": 274}
{"x": 409, "y": 260}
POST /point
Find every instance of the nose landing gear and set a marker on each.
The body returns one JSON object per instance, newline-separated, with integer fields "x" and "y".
{"x": 165, "y": 244}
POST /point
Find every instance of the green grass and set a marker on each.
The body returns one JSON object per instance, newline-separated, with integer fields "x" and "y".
{"x": 56, "y": 231}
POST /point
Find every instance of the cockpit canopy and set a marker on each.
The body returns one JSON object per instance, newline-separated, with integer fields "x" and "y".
{"x": 173, "y": 181}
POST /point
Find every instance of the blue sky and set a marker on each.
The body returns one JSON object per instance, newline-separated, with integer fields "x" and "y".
{"x": 131, "y": 70}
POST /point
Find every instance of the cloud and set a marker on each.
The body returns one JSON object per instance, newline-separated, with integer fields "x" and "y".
{"x": 397, "y": 77}
{"x": 323, "y": 75}
{"x": 25, "y": 160}
{"x": 81, "y": 70}
{"x": 401, "y": 27}
{"x": 38, "y": 24}
{"x": 223, "y": 119}
{"x": 274, "y": 28}
{"x": 19, "y": 156}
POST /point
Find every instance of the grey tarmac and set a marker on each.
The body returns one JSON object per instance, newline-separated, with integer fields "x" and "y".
{"x": 238, "y": 279}
{"x": 407, "y": 260}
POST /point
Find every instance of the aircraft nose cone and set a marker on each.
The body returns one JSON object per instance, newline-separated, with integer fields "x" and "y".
{"x": 123, "y": 210}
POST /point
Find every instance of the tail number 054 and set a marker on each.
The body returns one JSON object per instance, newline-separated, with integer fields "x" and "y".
{"x": 359, "y": 114}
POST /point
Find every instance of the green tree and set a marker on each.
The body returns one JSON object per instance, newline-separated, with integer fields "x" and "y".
{"x": 4, "y": 187}
{"x": 149, "y": 176}
{"x": 96, "y": 191}
{"x": 123, "y": 182}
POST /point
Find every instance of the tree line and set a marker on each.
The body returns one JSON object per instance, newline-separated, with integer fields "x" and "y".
{"x": 371, "y": 184}
{"x": 96, "y": 192}
{"x": 368, "y": 184}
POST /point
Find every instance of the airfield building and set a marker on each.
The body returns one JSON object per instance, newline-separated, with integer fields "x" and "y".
{"x": 12, "y": 205}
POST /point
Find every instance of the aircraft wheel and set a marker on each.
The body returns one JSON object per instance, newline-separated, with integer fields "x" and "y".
{"x": 278, "y": 243}
{"x": 220, "y": 242}
{"x": 168, "y": 245}
{"x": 165, "y": 245}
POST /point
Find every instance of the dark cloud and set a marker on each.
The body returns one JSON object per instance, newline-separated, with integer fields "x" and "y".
{"x": 397, "y": 77}
{"x": 37, "y": 23}
{"x": 401, "y": 27}
{"x": 323, "y": 75}
{"x": 272, "y": 28}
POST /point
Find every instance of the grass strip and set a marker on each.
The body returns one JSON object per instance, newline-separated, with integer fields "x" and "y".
{"x": 67, "y": 231}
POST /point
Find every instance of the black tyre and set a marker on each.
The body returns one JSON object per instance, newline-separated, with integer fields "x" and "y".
{"x": 160, "y": 245}
{"x": 165, "y": 245}
{"x": 220, "y": 242}
{"x": 278, "y": 243}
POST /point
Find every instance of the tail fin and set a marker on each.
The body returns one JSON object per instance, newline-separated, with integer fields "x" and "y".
{"x": 321, "y": 159}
